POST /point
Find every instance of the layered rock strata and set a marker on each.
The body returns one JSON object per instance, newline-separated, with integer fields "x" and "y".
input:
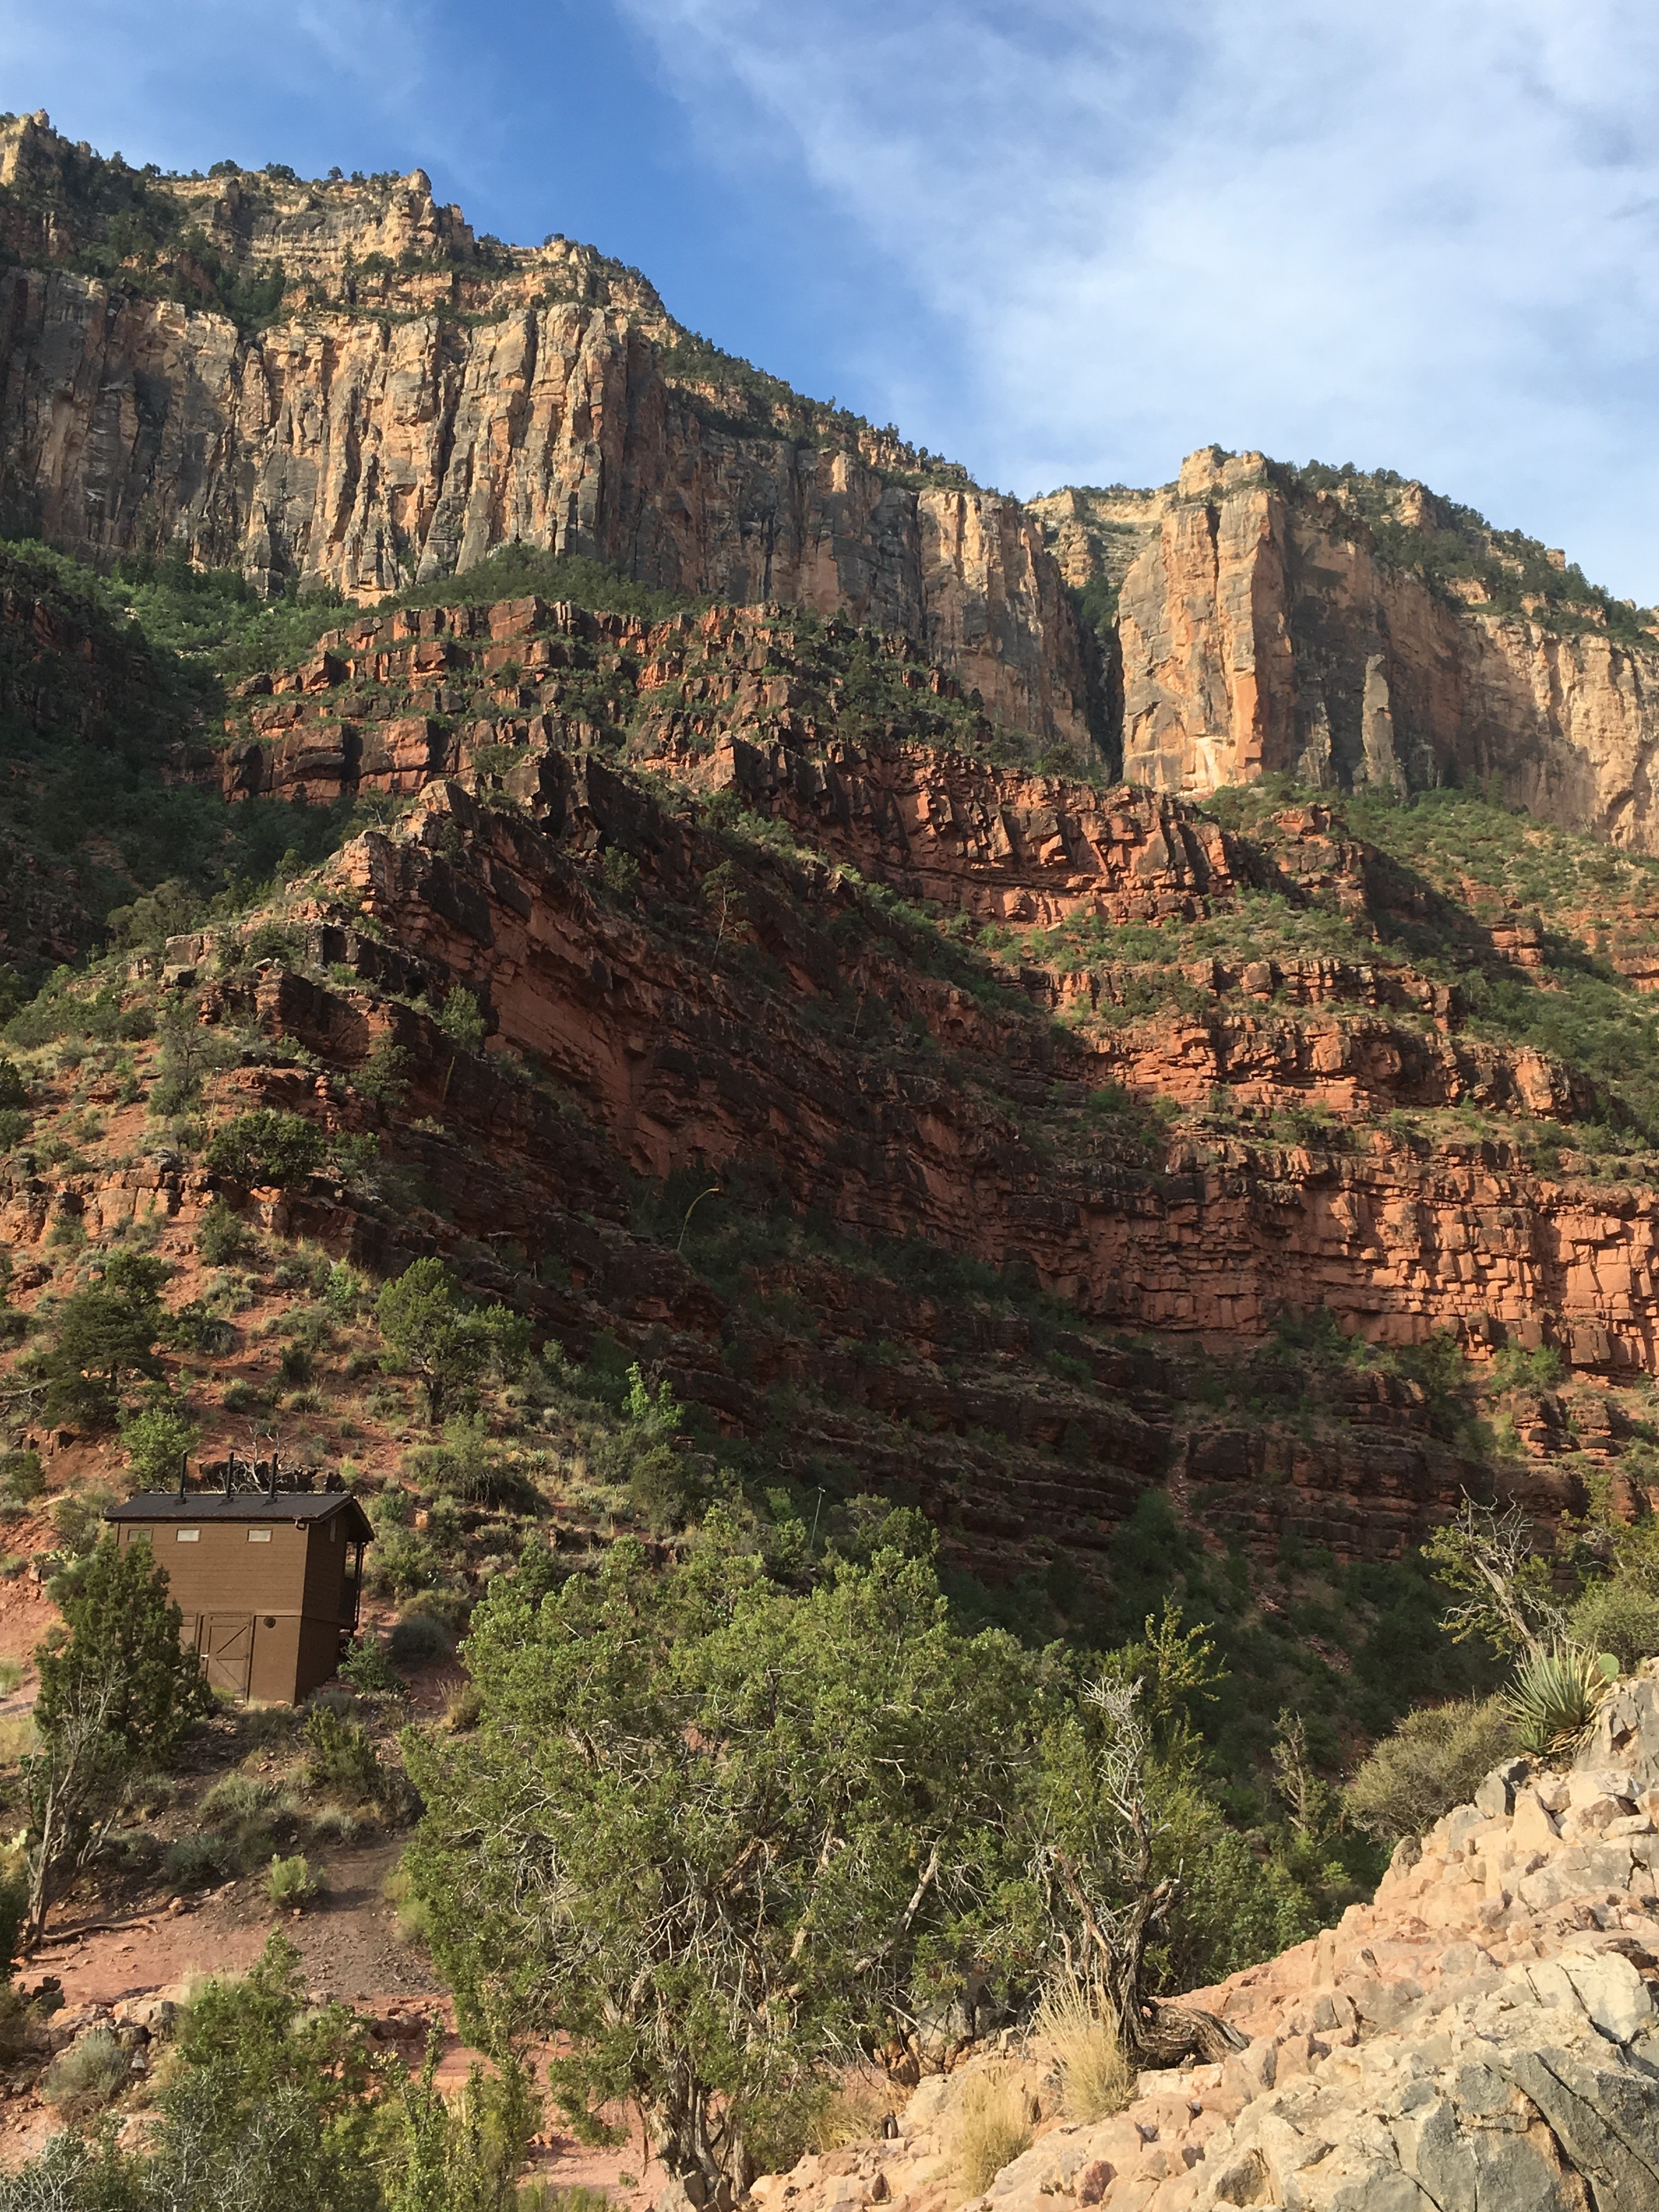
{"x": 681, "y": 1067}
{"x": 348, "y": 445}
{"x": 672, "y": 1052}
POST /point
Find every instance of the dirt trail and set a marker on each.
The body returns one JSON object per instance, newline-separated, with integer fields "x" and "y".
{"x": 348, "y": 1942}
{"x": 351, "y": 1950}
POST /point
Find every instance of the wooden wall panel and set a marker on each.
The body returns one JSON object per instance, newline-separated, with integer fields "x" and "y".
{"x": 222, "y": 1572}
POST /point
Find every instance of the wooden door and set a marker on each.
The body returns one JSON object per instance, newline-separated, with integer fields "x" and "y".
{"x": 225, "y": 1641}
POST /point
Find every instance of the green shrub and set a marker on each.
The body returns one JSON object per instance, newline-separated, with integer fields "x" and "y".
{"x": 190, "y": 1053}
{"x": 367, "y": 1669}
{"x": 82, "y": 2080}
{"x": 77, "y": 1518}
{"x": 414, "y": 1922}
{"x": 192, "y": 1327}
{"x": 619, "y": 874}
{"x": 418, "y": 1640}
{"x": 383, "y": 1076}
{"x": 470, "y": 1466}
{"x": 1436, "y": 1758}
{"x": 104, "y": 1337}
{"x": 451, "y": 1607}
{"x": 13, "y": 1091}
{"x": 293, "y": 1884}
{"x": 266, "y": 1147}
{"x": 195, "y": 1862}
{"x": 547, "y": 2196}
{"x": 461, "y": 1020}
{"x": 343, "y": 1760}
{"x": 270, "y": 940}
{"x": 21, "y": 1478}
{"x": 661, "y": 1486}
{"x": 238, "y": 1798}
{"x": 221, "y": 1239}
{"x": 1555, "y": 1697}
{"x": 1513, "y": 1367}
{"x": 156, "y": 1439}
{"x": 431, "y": 1332}
{"x": 15, "y": 1126}
{"x": 1618, "y": 1617}
{"x": 402, "y": 1562}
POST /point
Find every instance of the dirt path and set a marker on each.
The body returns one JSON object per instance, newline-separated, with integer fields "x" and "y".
{"x": 351, "y": 1950}
{"x": 349, "y": 1939}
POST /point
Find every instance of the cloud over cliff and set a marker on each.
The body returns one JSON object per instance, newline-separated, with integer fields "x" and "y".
{"x": 1422, "y": 236}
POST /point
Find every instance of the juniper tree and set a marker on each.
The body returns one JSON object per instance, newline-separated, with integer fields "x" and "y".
{"x": 719, "y": 1836}
{"x": 118, "y": 1689}
{"x": 431, "y": 1331}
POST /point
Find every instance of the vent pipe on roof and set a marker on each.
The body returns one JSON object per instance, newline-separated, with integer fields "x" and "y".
{"x": 183, "y": 1464}
{"x": 230, "y": 1468}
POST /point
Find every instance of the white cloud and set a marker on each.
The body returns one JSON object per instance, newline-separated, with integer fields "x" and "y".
{"x": 1423, "y": 235}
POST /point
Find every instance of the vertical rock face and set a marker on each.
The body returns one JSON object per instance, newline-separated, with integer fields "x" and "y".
{"x": 1261, "y": 632}
{"x": 418, "y": 402}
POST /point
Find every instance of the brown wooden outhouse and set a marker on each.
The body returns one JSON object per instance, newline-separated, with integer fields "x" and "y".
{"x": 268, "y": 1582}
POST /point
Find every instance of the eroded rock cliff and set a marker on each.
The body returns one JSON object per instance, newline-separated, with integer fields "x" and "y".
{"x": 1268, "y": 627}
{"x": 399, "y": 401}
{"x": 490, "y": 885}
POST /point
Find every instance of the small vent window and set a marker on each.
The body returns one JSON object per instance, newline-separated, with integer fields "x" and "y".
{"x": 258, "y": 1535}
{"x": 188, "y": 1535}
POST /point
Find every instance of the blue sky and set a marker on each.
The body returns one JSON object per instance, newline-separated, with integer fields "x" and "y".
{"x": 1065, "y": 241}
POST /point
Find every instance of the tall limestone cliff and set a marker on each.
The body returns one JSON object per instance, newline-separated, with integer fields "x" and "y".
{"x": 1353, "y": 630}
{"x": 336, "y": 383}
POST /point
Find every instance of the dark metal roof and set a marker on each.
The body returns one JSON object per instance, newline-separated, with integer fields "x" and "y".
{"x": 297, "y": 1505}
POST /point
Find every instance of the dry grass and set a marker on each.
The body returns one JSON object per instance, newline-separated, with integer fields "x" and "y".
{"x": 1097, "y": 2078}
{"x": 853, "y": 2113}
{"x": 17, "y": 1740}
{"x": 990, "y": 2126}
{"x": 463, "y": 1706}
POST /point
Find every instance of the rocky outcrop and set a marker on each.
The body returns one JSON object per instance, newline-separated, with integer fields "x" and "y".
{"x": 395, "y": 397}
{"x": 684, "y": 1066}
{"x": 1484, "y": 2034}
{"x": 683, "y": 1062}
{"x": 1262, "y": 632}
{"x": 527, "y": 395}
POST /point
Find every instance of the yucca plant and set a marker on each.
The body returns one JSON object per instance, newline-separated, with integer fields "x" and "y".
{"x": 1556, "y": 1694}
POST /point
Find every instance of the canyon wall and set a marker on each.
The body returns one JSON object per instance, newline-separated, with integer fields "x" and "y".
{"x": 1261, "y": 632}
{"x": 679, "y": 1071}
{"x": 394, "y": 424}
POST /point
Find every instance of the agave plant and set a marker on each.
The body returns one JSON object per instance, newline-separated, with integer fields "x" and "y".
{"x": 1556, "y": 1695}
